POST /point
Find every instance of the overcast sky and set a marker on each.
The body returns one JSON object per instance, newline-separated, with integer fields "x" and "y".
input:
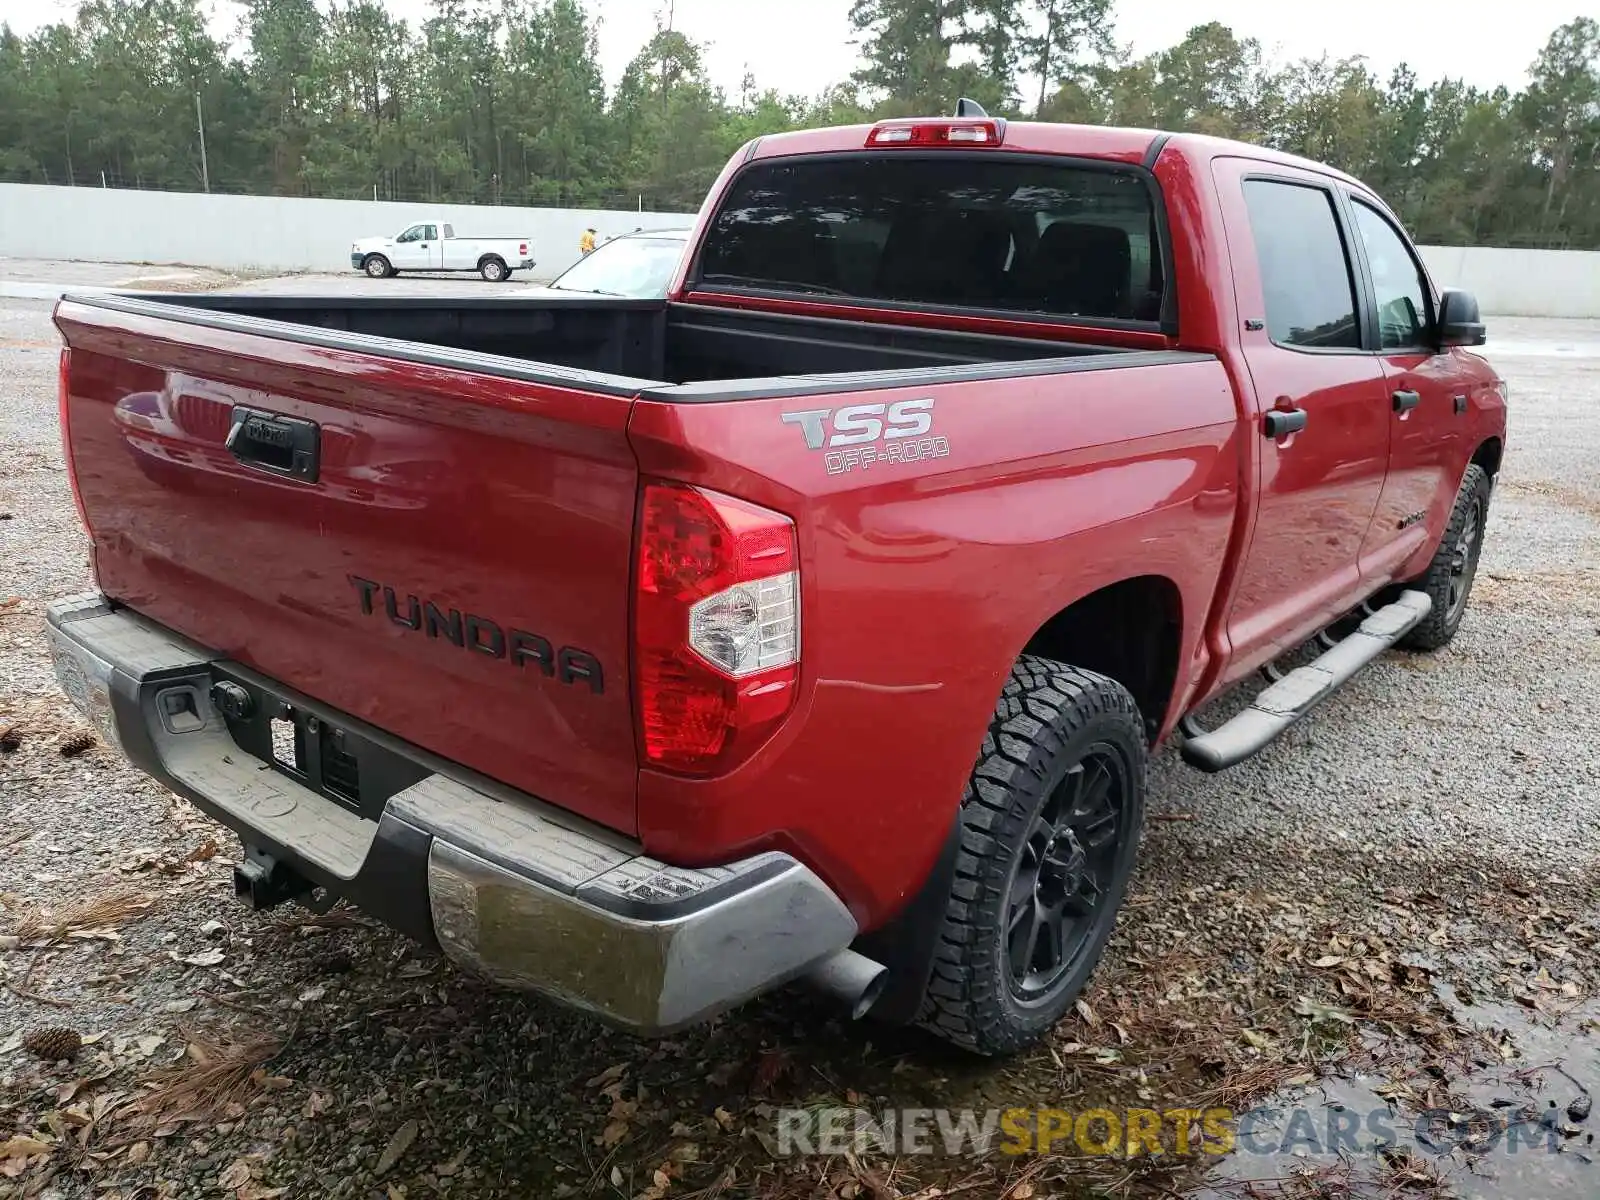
{"x": 803, "y": 45}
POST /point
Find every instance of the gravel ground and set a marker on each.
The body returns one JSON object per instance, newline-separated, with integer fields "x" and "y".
{"x": 1395, "y": 906}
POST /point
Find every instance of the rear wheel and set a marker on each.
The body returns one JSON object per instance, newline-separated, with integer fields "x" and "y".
{"x": 377, "y": 266}
{"x": 1455, "y": 564}
{"x": 1049, "y": 828}
{"x": 493, "y": 270}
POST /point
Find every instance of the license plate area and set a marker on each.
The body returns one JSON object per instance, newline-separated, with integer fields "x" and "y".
{"x": 317, "y": 750}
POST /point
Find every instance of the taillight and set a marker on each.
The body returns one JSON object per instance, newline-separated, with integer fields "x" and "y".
{"x": 63, "y": 393}
{"x": 523, "y": 249}
{"x": 925, "y": 133}
{"x": 716, "y": 627}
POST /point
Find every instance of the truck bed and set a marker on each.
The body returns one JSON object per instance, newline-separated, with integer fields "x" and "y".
{"x": 639, "y": 344}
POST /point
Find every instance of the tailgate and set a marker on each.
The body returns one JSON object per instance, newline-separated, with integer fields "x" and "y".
{"x": 428, "y": 540}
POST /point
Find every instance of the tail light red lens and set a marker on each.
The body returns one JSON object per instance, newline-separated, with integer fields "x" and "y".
{"x": 716, "y": 627}
{"x": 63, "y": 394}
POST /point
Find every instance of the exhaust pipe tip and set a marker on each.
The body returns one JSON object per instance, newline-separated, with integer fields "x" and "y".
{"x": 852, "y": 978}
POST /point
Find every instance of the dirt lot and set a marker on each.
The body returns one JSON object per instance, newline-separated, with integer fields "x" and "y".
{"x": 1393, "y": 912}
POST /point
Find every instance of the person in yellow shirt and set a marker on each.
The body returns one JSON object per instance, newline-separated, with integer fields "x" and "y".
{"x": 586, "y": 242}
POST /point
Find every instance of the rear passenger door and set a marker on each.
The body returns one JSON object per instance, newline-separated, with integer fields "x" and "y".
{"x": 1428, "y": 392}
{"x": 1322, "y": 432}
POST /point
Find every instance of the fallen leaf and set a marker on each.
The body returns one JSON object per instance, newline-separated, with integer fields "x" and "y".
{"x": 613, "y": 1133}
{"x": 1023, "y": 1191}
{"x": 313, "y": 993}
{"x": 609, "y": 1075}
{"x": 206, "y": 958}
{"x": 1328, "y": 960}
{"x": 137, "y": 1153}
{"x": 398, "y": 1145}
{"x": 724, "y": 1118}
{"x": 316, "y": 1104}
{"x": 1308, "y": 1007}
{"x": 1086, "y": 1012}
{"x": 204, "y": 852}
{"x": 21, "y": 1146}
{"x": 1259, "y": 1040}
{"x": 254, "y": 1191}
{"x": 212, "y": 926}
{"x": 180, "y": 1006}
{"x": 447, "y": 1169}
{"x": 413, "y": 969}
{"x": 688, "y": 1152}
{"x": 147, "y": 1044}
{"x": 235, "y": 1177}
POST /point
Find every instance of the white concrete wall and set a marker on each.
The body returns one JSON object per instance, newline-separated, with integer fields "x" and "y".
{"x": 1520, "y": 283}
{"x": 268, "y": 232}
{"x": 278, "y": 234}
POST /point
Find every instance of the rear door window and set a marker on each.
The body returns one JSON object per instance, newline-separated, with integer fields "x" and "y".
{"x": 1060, "y": 239}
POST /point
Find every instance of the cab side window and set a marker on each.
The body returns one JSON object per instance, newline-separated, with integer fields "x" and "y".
{"x": 1405, "y": 315}
{"x": 1306, "y": 282}
{"x": 414, "y": 234}
{"x": 430, "y": 233}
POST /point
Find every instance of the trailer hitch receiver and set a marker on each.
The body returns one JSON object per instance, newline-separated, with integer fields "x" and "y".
{"x": 263, "y": 882}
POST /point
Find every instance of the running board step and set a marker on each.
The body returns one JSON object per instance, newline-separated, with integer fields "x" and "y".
{"x": 1301, "y": 690}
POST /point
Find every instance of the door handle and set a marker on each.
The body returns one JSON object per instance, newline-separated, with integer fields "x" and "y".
{"x": 271, "y": 442}
{"x": 1281, "y": 422}
{"x": 1406, "y": 401}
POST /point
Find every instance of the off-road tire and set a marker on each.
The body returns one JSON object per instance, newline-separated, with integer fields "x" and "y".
{"x": 494, "y": 270}
{"x": 1448, "y": 581}
{"x": 1049, "y": 719}
{"x": 377, "y": 266}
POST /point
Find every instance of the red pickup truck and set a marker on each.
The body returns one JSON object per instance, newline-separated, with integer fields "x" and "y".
{"x": 817, "y": 621}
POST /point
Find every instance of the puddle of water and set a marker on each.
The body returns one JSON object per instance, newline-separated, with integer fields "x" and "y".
{"x": 1511, "y": 1138}
{"x": 1532, "y": 349}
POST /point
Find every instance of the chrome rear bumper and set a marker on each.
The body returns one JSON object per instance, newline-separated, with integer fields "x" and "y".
{"x": 513, "y": 888}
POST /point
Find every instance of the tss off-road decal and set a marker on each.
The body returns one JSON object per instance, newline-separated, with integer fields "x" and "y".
{"x": 864, "y": 435}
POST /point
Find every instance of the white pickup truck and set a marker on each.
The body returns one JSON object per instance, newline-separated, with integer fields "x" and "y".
{"x": 432, "y": 245}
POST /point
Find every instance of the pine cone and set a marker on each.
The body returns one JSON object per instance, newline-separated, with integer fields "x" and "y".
{"x": 53, "y": 1042}
{"x": 75, "y": 744}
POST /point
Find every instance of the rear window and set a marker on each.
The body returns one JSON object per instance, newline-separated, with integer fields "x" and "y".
{"x": 1061, "y": 239}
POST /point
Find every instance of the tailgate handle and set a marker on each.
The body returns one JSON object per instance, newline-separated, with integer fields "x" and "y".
{"x": 271, "y": 442}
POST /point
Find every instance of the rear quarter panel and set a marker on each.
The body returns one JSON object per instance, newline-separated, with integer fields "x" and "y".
{"x": 922, "y": 581}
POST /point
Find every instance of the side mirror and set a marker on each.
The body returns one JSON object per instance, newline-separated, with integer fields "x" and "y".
{"x": 1459, "y": 322}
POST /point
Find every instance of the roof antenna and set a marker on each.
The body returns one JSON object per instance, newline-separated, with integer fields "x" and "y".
{"x": 969, "y": 108}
